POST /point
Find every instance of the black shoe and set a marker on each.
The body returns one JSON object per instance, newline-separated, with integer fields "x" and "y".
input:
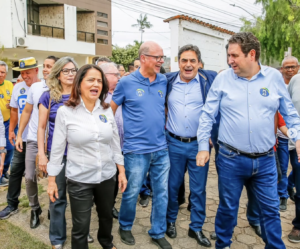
{"x": 48, "y": 214}
{"x": 115, "y": 213}
{"x": 171, "y": 230}
{"x": 162, "y": 243}
{"x": 282, "y": 205}
{"x": 189, "y": 207}
{"x": 6, "y": 175}
{"x": 35, "y": 218}
{"x": 213, "y": 236}
{"x": 291, "y": 193}
{"x": 144, "y": 201}
{"x": 126, "y": 237}
{"x": 200, "y": 237}
{"x": 257, "y": 229}
{"x": 90, "y": 239}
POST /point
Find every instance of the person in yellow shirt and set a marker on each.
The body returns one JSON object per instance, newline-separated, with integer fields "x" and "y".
{"x": 6, "y": 88}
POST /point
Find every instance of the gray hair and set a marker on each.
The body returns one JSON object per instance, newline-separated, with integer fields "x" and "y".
{"x": 53, "y": 83}
{"x": 106, "y": 66}
{"x": 289, "y": 58}
{"x": 190, "y": 47}
{"x": 143, "y": 50}
{"x": 2, "y": 63}
{"x": 104, "y": 59}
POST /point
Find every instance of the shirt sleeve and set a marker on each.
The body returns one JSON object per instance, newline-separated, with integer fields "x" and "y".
{"x": 208, "y": 115}
{"x": 13, "y": 101}
{"x": 44, "y": 99}
{"x": 287, "y": 109}
{"x": 59, "y": 141}
{"x": 115, "y": 144}
{"x": 2, "y": 132}
{"x": 30, "y": 96}
{"x": 119, "y": 95}
{"x": 280, "y": 121}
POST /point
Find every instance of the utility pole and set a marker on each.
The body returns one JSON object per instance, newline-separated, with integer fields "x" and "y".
{"x": 242, "y": 9}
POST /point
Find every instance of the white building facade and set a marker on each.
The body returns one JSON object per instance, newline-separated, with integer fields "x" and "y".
{"x": 210, "y": 39}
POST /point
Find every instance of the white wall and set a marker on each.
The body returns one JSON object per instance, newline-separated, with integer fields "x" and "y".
{"x": 210, "y": 42}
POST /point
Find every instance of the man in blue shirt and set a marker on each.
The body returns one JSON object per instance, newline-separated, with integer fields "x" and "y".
{"x": 142, "y": 96}
{"x": 247, "y": 95}
{"x": 185, "y": 98}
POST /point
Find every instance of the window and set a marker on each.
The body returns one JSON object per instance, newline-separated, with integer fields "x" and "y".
{"x": 102, "y": 41}
{"x": 102, "y": 24}
{"x": 100, "y": 14}
{"x": 102, "y": 32}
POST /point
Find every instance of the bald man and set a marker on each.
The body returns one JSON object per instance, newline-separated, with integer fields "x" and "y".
{"x": 142, "y": 96}
{"x": 289, "y": 68}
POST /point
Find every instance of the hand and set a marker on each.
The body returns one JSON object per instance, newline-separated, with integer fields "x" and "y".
{"x": 298, "y": 149}
{"x": 12, "y": 137}
{"x": 122, "y": 181}
{"x": 43, "y": 160}
{"x": 52, "y": 189}
{"x": 202, "y": 158}
{"x": 19, "y": 144}
{"x": 1, "y": 169}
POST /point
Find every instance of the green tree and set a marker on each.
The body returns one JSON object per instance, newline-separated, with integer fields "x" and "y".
{"x": 126, "y": 55}
{"x": 277, "y": 29}
{"x": 142, "y": 24}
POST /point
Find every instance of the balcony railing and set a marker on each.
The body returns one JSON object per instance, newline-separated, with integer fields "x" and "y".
{"x": 47, "y": 31}
{"x": 85, "y": 36}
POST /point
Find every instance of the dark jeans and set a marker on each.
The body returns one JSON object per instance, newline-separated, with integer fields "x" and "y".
{"x": 57, "y": 230}
{"x": 81, "y": 200}
{"x": 260, "y": 174}
{"x": 15, "y": 179}
{"x": 117, "y": 185}
{"x": 283, "y": 156}
{"x": 296, "y": 175}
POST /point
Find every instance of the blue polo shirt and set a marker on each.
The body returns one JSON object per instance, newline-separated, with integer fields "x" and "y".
{"x": 143, "y": 107}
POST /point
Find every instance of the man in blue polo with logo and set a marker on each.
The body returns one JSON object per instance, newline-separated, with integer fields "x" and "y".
{"x": 187, "y": 91}
{"x": 247, "y": 95}
{"x": 142, "y": 96}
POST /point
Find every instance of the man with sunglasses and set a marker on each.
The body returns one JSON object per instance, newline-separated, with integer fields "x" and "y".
{"x": 142, "y": 96}
{"x": 289, "y": 68}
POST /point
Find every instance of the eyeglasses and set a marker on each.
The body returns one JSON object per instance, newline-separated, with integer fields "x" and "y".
{"x": 115, "y": 74}
{"x": 67, "y": 71}
{"x": 158, "y": 58}
{"x": 290, "y": 67}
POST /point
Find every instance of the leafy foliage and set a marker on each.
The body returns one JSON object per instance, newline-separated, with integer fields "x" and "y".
{"x": 126, "y": 55}
{"x": 277, "y": 29}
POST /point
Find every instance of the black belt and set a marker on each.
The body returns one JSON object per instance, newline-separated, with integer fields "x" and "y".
{"x": 183, "y": 139}
{"x": 251, "y": 155}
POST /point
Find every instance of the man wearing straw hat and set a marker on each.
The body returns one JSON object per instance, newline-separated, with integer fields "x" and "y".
{"x": 28, "y": 68}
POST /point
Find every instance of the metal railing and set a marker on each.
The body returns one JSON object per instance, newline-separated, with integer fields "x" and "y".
{"x": 47, "y": 31}
{"x": 85, "y": 36}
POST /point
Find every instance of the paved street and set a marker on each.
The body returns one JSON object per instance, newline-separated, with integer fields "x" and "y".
{"x": 243, "y": 237}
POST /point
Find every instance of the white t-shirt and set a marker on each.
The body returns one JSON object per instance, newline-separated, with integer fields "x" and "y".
{"x": 33, "y": 97}
{"x": 18, "y": 100}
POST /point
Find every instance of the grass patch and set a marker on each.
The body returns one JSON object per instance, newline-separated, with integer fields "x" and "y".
{"x": 24, "y": 202}
{"x": 41, "y": 189}
{"x": 12, "y": 237}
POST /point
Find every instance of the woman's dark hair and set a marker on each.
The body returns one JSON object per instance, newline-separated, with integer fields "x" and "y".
{"x": 74, "y": 99}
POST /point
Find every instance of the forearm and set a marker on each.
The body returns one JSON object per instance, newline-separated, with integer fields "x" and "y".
{"x": 41, "y": 140}
{"x": 121, "y": 168}
{"x": 23, "y": 122}
{"x": 13, "y": 119}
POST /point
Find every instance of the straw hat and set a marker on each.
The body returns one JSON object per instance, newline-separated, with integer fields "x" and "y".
{"x": 26, "y": 63}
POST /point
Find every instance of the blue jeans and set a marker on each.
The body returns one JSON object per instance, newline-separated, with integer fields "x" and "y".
{"x": 252, "y": 208}
{"x": 9, "y": 147}
{"x": 291, "y": 182}
{"x": 136, "y": 168}
{"x": 182, "y": 156}
{"x": 146, "y": 188}
{"x": 296, "y": 174}
{"x": 235, "y": 170}
{"x": 283, "y": 156}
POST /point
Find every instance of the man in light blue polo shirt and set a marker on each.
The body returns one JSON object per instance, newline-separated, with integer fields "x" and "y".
{"x": 142, "y": 96}
{"x": 247, "y": 95}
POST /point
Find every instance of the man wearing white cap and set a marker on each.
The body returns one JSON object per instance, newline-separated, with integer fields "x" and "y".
{"x": 29, "y": 71}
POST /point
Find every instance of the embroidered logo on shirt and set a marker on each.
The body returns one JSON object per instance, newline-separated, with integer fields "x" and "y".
{"x": 264, "y": 92}
{"x": 160, "y": 94}
{"x": 8, "y": 92}
{"x": 140, "y": 92}
{"x": 22, "y": 91}
{"x": 103, "y": 118}
{"x": 1, "y": 96}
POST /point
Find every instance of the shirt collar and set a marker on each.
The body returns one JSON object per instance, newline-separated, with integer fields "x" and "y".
{"x": 261, "y": 71}
{"x": 97, "y": 105}
{"x": 141, "y": 78}
{"x": 178, "y": 79}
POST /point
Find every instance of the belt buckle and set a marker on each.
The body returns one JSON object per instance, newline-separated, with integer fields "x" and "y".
{"x": 189, "y": 140}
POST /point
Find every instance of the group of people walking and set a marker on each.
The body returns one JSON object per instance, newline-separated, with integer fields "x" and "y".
{"x": 97, "y": 130}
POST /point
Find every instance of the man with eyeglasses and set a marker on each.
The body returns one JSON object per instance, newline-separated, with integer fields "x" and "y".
{"x": 113, "y": 76}
{"x": 289, "y": 68}
{"x": 142, "y": 96}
